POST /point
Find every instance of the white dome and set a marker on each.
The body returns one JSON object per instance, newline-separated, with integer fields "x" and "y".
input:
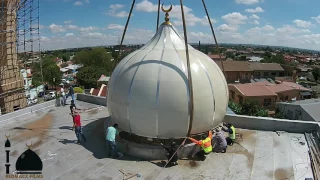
{"x": 148, "y": 90}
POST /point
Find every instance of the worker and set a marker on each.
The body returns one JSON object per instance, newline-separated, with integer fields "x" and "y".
{"x": 219, "y": 141}
{"x": 205, "y": 145}
{"x": 172, "y": 154}
{"x": 78, "y": 128}
{"x": 73, "y": 110}
{"x": 232, "y": 133}
{"x": 112, "y": 133}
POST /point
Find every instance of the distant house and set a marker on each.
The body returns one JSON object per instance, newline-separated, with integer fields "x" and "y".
{"x": 267, "y": 93}
{"x": 70, "y": 69}
{"x": 266, "y": 70}
{"x": 216, "y": 57}
{"x": 305, "y": 110}
{"x": 236, "y": 71}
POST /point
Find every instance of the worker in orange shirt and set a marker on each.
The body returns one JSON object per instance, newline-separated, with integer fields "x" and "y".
{"x": 205, "y": 145}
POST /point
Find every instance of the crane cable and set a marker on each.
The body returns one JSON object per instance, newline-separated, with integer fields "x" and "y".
{"x": 214, "y": 36}
{"x": 124, "y": 33}
{"x": 158, "y": 15}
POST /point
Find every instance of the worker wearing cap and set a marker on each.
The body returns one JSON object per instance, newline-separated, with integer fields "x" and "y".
{"x": 205, "y": 145}
{"x": 232, "y": 133}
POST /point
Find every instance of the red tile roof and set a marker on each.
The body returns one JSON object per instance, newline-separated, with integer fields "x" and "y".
{"x": 253, "y": 90}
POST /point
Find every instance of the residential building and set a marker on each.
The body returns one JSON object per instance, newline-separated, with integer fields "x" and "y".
{"x": 241, "y": 92}
{"x": 305, "y": 110}
{"x": 27, "y": 78}
{"x": 236, "y": 71}
{"x": 267, "y": 93}
{"x": 71, "y": 69}
{"x": 216, "y": 57}
{"x": 266, "y": 70}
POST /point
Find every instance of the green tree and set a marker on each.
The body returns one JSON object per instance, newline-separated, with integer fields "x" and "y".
{"x": 95, "y": 63}
{"x": 236, "y": 108}
{"x": 88, "y": 76}
{"x": 316, "y": 73}
{"x": 52, "y": 75}
{"x": 248, "y": 107}
{"x": 243, "y": 58}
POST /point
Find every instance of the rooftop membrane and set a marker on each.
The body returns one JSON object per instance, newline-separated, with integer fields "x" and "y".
{"x": 257, "y": 155}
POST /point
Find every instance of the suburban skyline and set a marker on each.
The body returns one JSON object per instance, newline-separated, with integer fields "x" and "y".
{"x": 71, "y": 23}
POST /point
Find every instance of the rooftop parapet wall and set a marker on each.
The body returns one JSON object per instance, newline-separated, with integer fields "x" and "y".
{"x": 271, "y": 124}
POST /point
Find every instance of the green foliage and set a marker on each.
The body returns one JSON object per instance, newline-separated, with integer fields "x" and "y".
{"x": 269, "y": 58}
{"x": 243, "y": 58}
{"x": 52, "y": 74}
{"x": 248, "y": 107}
{"x": 95, "y": 63}
{"x": 279, "y": 114}
{"x": 236, "y": 108}
{"x": 78, "y": 90}
{"x": 316, "y": 73}
{"x": 50, "y": 71}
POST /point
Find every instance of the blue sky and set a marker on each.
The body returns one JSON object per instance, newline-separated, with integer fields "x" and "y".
{"x": 71, "y": 23}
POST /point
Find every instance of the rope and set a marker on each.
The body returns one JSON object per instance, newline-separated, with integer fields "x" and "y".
{"x": 158, "y": 15}
{"x": 189, "y": 70}
{"x": 214, "y": 36}
{"x": 124, "y": 32}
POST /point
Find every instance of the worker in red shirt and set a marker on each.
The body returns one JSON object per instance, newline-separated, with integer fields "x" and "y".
{"x": 78, "y": 128}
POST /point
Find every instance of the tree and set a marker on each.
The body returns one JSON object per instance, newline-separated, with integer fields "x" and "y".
{"x": 52, "y": 75}
{"x": 248, "y": 107}
{"x": 95, "y": 63}
{"x": 88, "y": 76}
{"x": 316, "y": 73}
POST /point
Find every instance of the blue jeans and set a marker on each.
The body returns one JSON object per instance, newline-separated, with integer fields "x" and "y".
{"x": 79, "y": 134}
{"x": 113, "y": 151}
{"x": 72, "y": 96}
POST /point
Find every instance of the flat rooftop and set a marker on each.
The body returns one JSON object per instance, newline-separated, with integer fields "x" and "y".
{"x": 257, "y": 155}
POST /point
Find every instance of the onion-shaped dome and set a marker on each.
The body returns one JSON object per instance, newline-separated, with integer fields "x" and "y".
{"x": 148, "y": 92}
{"x": 29, "y": 163}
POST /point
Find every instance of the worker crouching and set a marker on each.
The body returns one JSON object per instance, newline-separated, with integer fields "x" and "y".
{"x": 205, "y": 145}
{"x": 232, "y": 133}
{"x": 172, "y": 154}
{"x": 219, "y": 141}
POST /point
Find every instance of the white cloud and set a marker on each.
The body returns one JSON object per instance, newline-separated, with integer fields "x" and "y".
{"x": 268, "y": 28}
{"x": 78, "y": 3}
{"x": 227, "y": 28}
{"x": 287, "y": 29}
{"x": 256, "y": 10}
{"x": 303, "y": 24}
{"x": 116, "y": 6}
{"x": 113, "y": 11}
{"x": 115, "y": 27}
{"x": 235, "y": 18}
{"x": 56, "y": 28}
{"x": 253, "y": 16}
{"x": 256, "y": 22}
{"x": 248, "y": 2}
{"x": 81, "y": 29}
{"x": 68, "y": 22}
{"x": 69, "y": 34}
{"x": 317, "y": 19}
{"x": 175, "y": 14}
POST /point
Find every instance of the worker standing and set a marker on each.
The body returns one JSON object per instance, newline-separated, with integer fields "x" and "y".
{"x": 205, "y": 145}
{"x": 172, "y": 154}
{"x": 78, "y": 128}
{"x": 112, "y": 132}
{"x": 220, "y": 142}
{"x": 232, "y": 133}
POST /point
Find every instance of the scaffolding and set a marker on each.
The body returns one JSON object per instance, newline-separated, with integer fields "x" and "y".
{"x": 19, "y": 46}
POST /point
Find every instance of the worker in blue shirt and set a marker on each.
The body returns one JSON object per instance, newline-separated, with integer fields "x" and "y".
{"x": 112, "y": 132}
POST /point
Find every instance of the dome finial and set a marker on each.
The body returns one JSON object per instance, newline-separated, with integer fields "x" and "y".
{"x": 7, "y": 136}
{"x": 167, "y": 14}
{"x": 29, "y": 145}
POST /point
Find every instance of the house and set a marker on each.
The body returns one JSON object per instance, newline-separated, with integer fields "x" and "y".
{"x": 70, "y": 69}
{"x": 236, "y": 71}
{"x": 305, "y": 110}
{"x": 241, "y": 92}
{"x": 267, "y": 93}
{"x": 266, "y": 70}
{"x": 216, "y": 57}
